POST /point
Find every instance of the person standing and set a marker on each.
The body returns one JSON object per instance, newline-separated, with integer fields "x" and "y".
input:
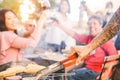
{"x": 57, "y": 39}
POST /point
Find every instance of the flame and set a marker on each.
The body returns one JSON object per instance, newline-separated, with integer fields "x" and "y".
{"x": 26, "y": 8}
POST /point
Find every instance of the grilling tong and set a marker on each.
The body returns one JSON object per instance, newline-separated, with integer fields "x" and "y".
{"x": 69, "y": 61}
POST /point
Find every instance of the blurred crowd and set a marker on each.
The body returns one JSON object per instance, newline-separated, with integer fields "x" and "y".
{"x": 54, "y": 39}
{"x": 55, "y": 32}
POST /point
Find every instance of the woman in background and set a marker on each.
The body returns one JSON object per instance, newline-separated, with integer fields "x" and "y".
{"x": 57, "y": 39}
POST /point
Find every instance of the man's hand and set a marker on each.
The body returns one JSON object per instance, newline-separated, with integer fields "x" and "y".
{"x": 82, "y": 51}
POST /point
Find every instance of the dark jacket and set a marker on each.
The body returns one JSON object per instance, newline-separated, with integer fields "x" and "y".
{"x": 117, "y": 42}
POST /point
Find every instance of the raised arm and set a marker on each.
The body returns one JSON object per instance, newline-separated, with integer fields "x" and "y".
{"x": 70, "y": 32}
{"x": 59, "y": 22}
{"x": 111, "y": 29}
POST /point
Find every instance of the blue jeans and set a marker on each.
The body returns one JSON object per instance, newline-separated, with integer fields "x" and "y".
{"x": 53, "y": 47}
{"x": 83, "y": 74}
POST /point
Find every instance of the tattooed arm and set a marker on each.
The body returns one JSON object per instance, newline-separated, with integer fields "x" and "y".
{"x": 110, "y": 30}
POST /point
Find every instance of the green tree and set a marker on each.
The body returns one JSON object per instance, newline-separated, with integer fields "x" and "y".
{"x": 11, "y": 4}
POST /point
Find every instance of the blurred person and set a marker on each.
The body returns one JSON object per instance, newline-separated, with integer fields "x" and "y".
{"x": 57, "y": 39}
{"x": 109, "y": 8}
{"x": 85, "y": 10}
{"x": 108, "y": 12}
{"x": 85, "y": 7}
{"x": 93, "y": 63}
{"x": 111, "y": 29}
{"x": 26, "y": 28}
{"x": 41, "y": 46}
{"x": 106, "y": 15}
{"x": 29, "y": 27}
{"x": 99, "y": 13}
{"x": 10, "y": 43}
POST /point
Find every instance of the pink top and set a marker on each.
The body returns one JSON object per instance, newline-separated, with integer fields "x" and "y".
{"x": 11, "y": 45}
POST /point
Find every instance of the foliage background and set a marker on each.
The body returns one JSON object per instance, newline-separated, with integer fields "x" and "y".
{"x": 15, "y": 4}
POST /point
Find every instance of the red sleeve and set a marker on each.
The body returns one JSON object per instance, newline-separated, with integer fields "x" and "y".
{"x": 110, "y": 48}
{"x": 81, "y": 38}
